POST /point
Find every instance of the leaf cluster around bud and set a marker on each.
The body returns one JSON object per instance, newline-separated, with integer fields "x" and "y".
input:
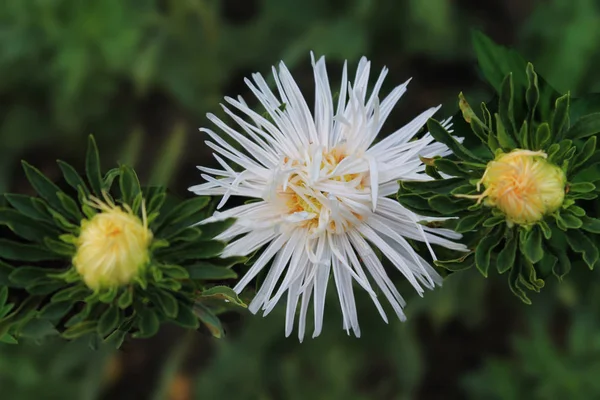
{"x": 41, "y": 293}
{"x": 518, "y": 118}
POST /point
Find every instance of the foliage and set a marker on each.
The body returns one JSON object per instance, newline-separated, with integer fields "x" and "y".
{"x": 48, "y": 292}
{"x": 518, "y": 118}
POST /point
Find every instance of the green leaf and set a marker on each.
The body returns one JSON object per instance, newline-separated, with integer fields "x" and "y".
{"x": 459, "y": 264}
{"x": 80, "y": 329}
{"x": 92, "y": 167}
{"x": 222, "y": 293}
{"x": 568, "y": 221}
{"x": 530, "y": 244}
{"x": 580, "y": 243}
{"x": 26, "y": 275}
{"x": 29, "y": 206}
{"x": 129, "y": 184}
{"x": 38, "y": 329}
{"x": 5, "y": 271}
{"x": 55, "y": 311}
{"x": 514, "y": 283}
{"x": 73, "y": 178}
{"x": 495, "y": 220}
{"x": 588, "y": 224}
{"x": 147, "y": 323}
{"x": 581, "y": 187}
{"x": 506, "y": 108}
{"x": 116, "y": 338}
{"x": 506, "y": 256}
{"x": 532, "y": 95}
{"x": 558, "y": 247}
{"x": 183, "y": 211}
{"x": 207, "y": 271}
{"x": 541, "y": 137}
{"x": 26, "y": 227}
{"x": 586, "y": 152}
{"x": 186, "y": 318}
{"x": 497, "y": 61}
{"x": 109, "y": 321}
{"x": 73, "y": 293}
{"x": 440, "y": 134}
{"x": 10, "y": 250}
{"x": 448, "y": 206}
{"x": 483, "y": 252}
{"x": 125, "y": 299}
{"x": 209, "y": 320}
{"x": 587, "y": 125}
{"x": 198, "y": 251}
{"x": 560, "y": 117}
{"x": 167, "y": 303}
{"x": 45, "y": 188}
{"x": 504, "y": 139}
{"x": 8, "y": 339}
{"x": 69, "y": 205}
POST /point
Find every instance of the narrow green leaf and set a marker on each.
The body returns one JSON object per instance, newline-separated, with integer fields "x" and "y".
{"x": 588, "y": 224}
{"x": 73, "y": 178}
{"x": 560, "y": 117}
{"x": 441, "y": 186}
{"x": 27, "y": 206}
{"x": 45, "y": 188}
{"x": 56, "y": 311}
{"x": 580, "y": 243}
{"x": 125, "y": 299}
{"x": 505, "y": 140}
{"x": 585, "y": 126}
{"x": 129, "y": 184}
{"x": 483, "y": 252}
{"x": 470, "y": 222}
{"x": 440, "y": 134}
{"x": 26, "y": 227}
{"x": 222, "y": 293}
{"x": 581, "y": 187}
{"x": 206, "y": 271}
{"x": 506, "y": 256}
{"x": 10, "y": 250}
{"x": 209, "y": 320}
{"x": 541, "y": 137}
{"x": 167, "y": 303}
{"x": 532, "y": 95}
{"x": 514, "y": 283}
{"x": 192, "y": 251}
{"x": 79, "y": 329}
{"x": 506, "y": 107}
{"x": 186, "y": 318}
{"x": 586, "y": 152}
{"x": 92, "y": 167}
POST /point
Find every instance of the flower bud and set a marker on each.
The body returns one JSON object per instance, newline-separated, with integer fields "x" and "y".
{"x": 112, "y": 248}
{"x": 523, "y": 185}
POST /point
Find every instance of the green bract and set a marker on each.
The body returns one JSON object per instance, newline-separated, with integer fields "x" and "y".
{"x": 519, "y": 118}
{"x": 41, "y": 293}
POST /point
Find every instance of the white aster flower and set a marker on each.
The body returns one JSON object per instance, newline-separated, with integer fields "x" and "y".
{"x": 322, "y": 188}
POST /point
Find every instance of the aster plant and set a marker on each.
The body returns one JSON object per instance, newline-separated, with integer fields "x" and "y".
{"x": 106, "y": 258}
{"x": 321, "y": 188}
{"x": 521, "y": 189}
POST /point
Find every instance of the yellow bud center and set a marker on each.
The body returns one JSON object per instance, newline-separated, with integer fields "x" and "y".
{"x": 113, "y": 246}
{"x": 523, "y": 185}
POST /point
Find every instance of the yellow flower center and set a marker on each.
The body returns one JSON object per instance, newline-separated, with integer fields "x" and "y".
{"x": 523, "y": 185}
{"x": 112, "y": 247}
{"x": 318, "y": 197}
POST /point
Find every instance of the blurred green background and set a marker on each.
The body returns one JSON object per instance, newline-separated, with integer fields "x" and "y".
{"x": 141, "y": 75}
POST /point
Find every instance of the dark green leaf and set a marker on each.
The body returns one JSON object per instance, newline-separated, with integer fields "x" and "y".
{"x": 125, "y": 299}
{"x": 586, "y": 152}
{"x": 587, "y": 125}
{"x": 92, "y": 167}
{"x": 588, "y": 224}
{"x": 514, "y": 283}
{"x": 560, "y": 117}
{"x": 448, "y": 206}
{"x": 222, "y": 293}
{"x": 197, "y": 251}
{"x": 186, "y": 317}
{"x": 530, "y": 244}
{"x": 147, "y": 323}
{"x": 167, "y": 303}
{"x": 37, "y": 329}
{"x": 541, "y": 137}
{"x": 483, "y": 252}
{"x": 10, "y": 250}
{"x": 206, "y": 271}
{"x": 440, "y": 134}
{"x": 25, "y": 205}
{"x": 55, "y": 311}
{"x": 442, "y": 186}
{"x": 568, "y": 221}
{"x": 80, "y": 329}
{"x": 506, "y": 256}
{"x": 109, "y": 321}
{"x": 73, "y": 178}
{"x": 532, "y": 95}
{"x": 46, "y": 189}
{"x": 506, "y": 108}
{"x": 581, "y": 187}
{"x": 26, "y": 227}
{"x": 580, "y": 243}
{"x": 129, "y": 184}
{"x": 209, "y": 320}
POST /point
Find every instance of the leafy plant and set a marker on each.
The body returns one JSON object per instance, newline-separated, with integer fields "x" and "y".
{"x": 48, "y": 291}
